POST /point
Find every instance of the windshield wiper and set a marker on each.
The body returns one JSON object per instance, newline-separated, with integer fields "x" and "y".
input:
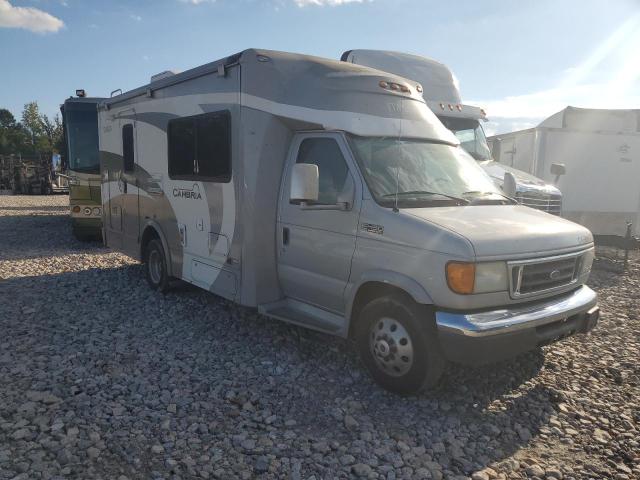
{"x": 486, "y": 194}
{"x": 462, "y": 201}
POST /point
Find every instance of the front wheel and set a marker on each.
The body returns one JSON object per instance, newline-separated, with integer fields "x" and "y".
{"x": 156, "y": 266}
{"x": 397, "y": 341}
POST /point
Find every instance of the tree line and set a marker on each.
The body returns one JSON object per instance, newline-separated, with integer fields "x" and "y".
{"x": 34, "y": 134}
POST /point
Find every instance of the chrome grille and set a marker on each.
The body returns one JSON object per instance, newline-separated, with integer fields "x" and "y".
{"x": 541, "y": 201}
{"x": 538, "y": 276}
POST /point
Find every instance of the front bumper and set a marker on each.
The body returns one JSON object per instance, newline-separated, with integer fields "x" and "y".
{"x": 482, "y": 337}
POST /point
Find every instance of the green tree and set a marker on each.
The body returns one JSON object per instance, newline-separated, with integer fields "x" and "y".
{"x": 52, "y": 132}
{"x": 13, "y": 137}
{"x": 32, "y": 123}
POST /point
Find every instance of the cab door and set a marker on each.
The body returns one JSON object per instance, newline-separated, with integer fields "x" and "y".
{"x": 317, "y": 241}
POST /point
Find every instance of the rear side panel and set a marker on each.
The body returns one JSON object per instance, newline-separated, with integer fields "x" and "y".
{"x": 602, "y": 185}
{"x": 196, "y": 219}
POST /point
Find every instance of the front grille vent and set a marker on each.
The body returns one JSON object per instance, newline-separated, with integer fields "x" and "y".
{"x": 541, "y": 201}
{"x": 544, "y": 275}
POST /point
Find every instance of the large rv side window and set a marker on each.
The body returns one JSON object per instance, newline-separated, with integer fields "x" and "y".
{"x": 200, "y": 147}
{"x": 127, "y": 147}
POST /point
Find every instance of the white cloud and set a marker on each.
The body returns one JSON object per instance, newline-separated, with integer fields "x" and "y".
{"x": 197, "y": 2}
{"x": 322, "y": 3}
{"x": 137, "y": 18}
{"x": 28, "y": 18}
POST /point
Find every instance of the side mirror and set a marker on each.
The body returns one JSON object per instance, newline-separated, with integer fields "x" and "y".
{"x": 305, "y": 182}
{"x": 558, "y": 169}
{"x": 509, "y": 185}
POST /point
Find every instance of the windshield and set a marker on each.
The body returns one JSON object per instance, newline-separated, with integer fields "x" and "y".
{"x": 422, "y": 173}
{"x": 471, "y": 136}
{"x": 82, "y": 137}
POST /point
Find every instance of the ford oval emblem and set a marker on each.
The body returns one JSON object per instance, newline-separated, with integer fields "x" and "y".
{"x": 555, "y": 274}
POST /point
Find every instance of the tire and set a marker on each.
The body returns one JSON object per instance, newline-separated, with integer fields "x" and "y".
{"x": 398, "y": 343}
{"x": 155, "y": 262}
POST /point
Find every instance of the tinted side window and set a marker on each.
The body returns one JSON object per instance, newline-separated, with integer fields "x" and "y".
{"x": 214, "y": 147}
{"x": 182, "y": 153}
{"x": 332, "y": 167}
{"x": 127, "y": 147}
{"x": 200, "y": 147}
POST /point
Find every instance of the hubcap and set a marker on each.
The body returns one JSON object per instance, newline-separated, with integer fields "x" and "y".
{"x": 391, "y": 347}
{"x": 155, "y": 266}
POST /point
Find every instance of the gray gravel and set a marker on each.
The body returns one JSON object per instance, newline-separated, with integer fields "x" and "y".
{"x": 101, "y": 378}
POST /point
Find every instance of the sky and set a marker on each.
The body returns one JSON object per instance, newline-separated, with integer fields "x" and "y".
{"x": 522, "y": 61}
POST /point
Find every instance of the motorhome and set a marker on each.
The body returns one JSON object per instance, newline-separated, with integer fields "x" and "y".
{"x": 80, "y": 127}
{"x": 442, "y": 94}
{"x": 328, "y": 195}
{"x": 600, "y": 151}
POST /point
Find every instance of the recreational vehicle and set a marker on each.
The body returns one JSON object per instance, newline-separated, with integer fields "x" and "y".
{"x": 441, "y": 92}
{"x": 80, "y": 124}
{"x": 328, "y": 195}
{"x": 600, "y": 151}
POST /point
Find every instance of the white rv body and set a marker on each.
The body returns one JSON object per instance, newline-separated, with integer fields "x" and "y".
{"x": 442, "y": 94}
{"x": 601, "y": 152}
{"x": 316, "y": 191}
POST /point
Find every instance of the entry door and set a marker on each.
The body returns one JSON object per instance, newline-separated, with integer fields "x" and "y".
{"x": 123, "y": 204}
{"x": 317, "y": 242}
{"x": 130, "y": 206}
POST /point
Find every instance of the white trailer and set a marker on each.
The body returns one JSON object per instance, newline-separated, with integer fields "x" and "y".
{"x": 600, "y": 150}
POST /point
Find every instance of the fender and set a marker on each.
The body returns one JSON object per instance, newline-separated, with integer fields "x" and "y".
{"x": 149, "y": 223}
{"x": 388, "y": 277}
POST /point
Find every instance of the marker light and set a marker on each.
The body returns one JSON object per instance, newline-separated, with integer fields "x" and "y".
{"x": 87, "y": 211}
{"x": 451, "y": 107}
{"x": 459, "y": 107}
{"x": 461, "y": 277}
{"x": 96, "y": 210}
{"x": 442, "y": 106}
{"x": 396, "y": 87}
{"x": 419, "y": 88}
{"x": 76, "y": 209}
{"x": 483, "y": 112}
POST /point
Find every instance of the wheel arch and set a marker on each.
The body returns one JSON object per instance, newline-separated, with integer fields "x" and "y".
{"x": 379, "y": 283}
{"x": 152, "y": 230}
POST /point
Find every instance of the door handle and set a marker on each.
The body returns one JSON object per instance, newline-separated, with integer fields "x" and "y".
{"x": 285, "y": 236}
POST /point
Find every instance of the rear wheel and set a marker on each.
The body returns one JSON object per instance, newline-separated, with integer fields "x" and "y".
{"x": 397, "y": 341}
{"x": 156, "y": 266}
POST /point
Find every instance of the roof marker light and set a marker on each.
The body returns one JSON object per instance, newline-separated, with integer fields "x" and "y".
{"x": 442, "y": 106}
{"x": 384, "y": 84}
{"x": 419, "y": 88}
{"x": 451, "y": 107}
{"x": 459, "y": 108}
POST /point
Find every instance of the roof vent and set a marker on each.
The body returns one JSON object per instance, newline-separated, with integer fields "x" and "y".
{"x": 161, "y": 75}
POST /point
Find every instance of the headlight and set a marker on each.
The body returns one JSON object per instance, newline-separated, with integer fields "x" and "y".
{"x": 587, "y": 261}
{"x": 467, "y": 278}
{"x": 96, "y": 210}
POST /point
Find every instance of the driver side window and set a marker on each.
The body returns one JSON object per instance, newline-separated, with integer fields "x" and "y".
{"x": 332, "y": 167}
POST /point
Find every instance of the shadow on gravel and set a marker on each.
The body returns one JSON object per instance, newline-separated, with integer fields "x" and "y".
{"x": 38, "y": 236}
{"x": 100, "y": 340}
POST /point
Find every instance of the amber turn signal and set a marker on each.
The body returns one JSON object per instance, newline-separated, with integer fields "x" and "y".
{"x": 461, "y": 277}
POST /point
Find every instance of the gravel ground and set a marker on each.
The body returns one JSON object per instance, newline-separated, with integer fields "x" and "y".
{"x": 101, "y": 378}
